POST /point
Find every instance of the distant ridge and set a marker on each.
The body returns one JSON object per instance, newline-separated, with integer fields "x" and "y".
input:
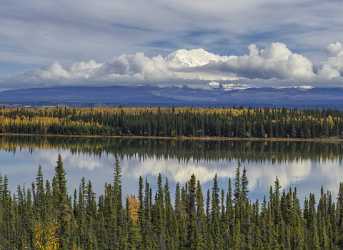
{"x": 148, "y": 95}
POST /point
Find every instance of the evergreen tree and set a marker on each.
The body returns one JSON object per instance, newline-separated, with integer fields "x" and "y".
{"x": 42, "y": 217}
{"x": 192, "y": 233}
{"x": 64, "y": 215}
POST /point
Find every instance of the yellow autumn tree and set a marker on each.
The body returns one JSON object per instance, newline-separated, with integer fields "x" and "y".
{"x": 133, "y": 208}
{"x": 45, "y": 237}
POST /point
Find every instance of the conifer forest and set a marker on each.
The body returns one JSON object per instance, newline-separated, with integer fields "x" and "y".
{"x": 174, "y": 122}
{"x": 47, "y": 216}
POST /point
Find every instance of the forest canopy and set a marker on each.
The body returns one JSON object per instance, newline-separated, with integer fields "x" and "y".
{"x": 47, "y": 216}
{"x": 174, "y": 122}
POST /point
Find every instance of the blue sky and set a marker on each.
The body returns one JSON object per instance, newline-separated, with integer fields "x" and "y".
{"x": 41, "y": 40}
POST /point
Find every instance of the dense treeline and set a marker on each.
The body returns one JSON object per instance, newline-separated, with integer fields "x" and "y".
{"x": 173, "y": 122}
{"x": 45, "y": 216}
{"x": 182, "y": 150}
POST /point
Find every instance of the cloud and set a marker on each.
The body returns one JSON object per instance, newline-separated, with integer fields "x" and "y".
{"x": 274, "y": 61}
{"x": 335, "y": 49}
{"x": 88, "y": 162}
{"x": 37, "y": 33}
{"x": 305, "y": 174}
{"x": 333, "y": 67}
{"x": 273, "y": 65}
{"x": 80, "y": 70}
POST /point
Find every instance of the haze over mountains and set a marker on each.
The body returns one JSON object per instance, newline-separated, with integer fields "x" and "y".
{"x": 301, "y": 97}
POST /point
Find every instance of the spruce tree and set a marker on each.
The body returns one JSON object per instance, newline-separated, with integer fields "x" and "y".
{"x": 64, "y": 215}
{"x": 191, "y": 214}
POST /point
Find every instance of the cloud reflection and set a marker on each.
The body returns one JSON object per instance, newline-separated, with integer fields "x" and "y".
{"x": 307, "y": 175}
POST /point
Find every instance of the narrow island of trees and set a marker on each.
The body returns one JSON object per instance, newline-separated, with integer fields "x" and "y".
{"x": 174, "y": 122}
{"x": 46, "y": 216}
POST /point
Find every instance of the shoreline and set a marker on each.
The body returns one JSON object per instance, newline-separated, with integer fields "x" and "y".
{"x": 183, "y": 138}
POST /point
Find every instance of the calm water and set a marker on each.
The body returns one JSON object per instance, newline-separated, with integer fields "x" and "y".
{"x": 305, "y": 165}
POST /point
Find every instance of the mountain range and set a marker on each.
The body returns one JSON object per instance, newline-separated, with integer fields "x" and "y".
{"x": 297, "y": 97}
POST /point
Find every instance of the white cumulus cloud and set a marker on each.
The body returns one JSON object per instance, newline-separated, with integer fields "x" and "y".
{"x": 275, "y": 63}
{"x": 333, "y": 67}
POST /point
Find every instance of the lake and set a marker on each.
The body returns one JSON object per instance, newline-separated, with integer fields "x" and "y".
{"x": 306, "y": 165}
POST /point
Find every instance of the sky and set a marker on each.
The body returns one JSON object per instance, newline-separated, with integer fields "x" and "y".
{"x": 203, "y": 43}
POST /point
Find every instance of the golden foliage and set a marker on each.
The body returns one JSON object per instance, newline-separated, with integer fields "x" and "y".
{"x": 45, "y": 237}
{"x": 133, "y": 208}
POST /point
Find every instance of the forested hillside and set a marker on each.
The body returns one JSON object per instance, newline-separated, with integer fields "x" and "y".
{"x": 46, "y": 216}
{"x": 174, "y": 122}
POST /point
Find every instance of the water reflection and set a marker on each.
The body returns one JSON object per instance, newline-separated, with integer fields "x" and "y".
{"x": 305, "y": 165}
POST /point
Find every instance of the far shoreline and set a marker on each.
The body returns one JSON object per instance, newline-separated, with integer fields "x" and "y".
{"x": 183, "y": 138}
